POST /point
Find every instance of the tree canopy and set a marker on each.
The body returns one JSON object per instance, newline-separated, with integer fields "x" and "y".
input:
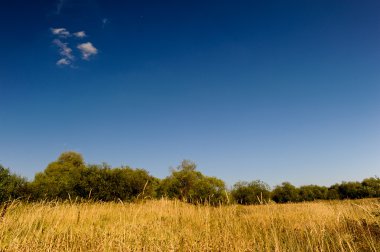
{"x": 188, "y": 184}
{"x": 12, "y": 186}
{"x": 70, "y": 177}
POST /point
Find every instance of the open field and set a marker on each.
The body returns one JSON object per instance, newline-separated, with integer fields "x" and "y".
{"x": 165, "y": 225}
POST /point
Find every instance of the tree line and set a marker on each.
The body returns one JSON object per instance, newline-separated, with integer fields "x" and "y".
{"x": 69, "y": 177}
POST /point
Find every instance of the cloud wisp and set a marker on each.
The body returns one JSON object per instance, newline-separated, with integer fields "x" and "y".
{"x": 64, "y": 50}
{"x": 66, "y": 53}
{"x": 61, "y": 32}
{"x": 104, "y": 22}
{"x": 87, "y": 50}
{"x": 63, "y": 62}
{"x": 80, "y": 34}
{"x": 60, "y": 6}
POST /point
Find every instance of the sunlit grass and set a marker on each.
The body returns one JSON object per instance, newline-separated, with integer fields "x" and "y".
{"x": 164, "y": 225}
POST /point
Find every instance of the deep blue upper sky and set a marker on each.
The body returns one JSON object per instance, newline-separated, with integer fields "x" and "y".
{"x": 270, "y": 90}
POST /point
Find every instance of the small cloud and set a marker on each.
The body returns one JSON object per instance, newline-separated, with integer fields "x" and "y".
{"x": 66, "y": 53}
{"x": 63, "y": 62}
{"x": 80, "y": 34}
{"x": 64, "y": 50}
{"x": 87, "y": 50}
{"x": 61, "y": 32}
{"x": 104, "y": 22}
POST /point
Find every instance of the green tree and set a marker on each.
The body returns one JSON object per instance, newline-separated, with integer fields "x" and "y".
{"x": 101, "y": 182}
{"x": 12, "y": 186}
{"x": 61, "y": 178}
{"x": 286, "y": 192}
{"x": 255, "y": 192}
{"x": 312, "y": 192}
{"x": 188, "y": 184}
{"x": 372, "y": 186}
{"x": 352, "y": 190}
{"x": 181, "y": 181}
{"x": 209, "y": 190}
{"x": 333, "y": 192}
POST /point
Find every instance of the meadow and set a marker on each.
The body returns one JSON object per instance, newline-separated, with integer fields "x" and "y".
{"x": 171, "y": 225}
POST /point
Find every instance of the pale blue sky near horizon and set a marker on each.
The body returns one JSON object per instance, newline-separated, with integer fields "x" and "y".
{"x": 270, "y": 90}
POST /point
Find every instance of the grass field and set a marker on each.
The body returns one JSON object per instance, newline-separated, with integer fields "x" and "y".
{"x": 165, "y": 225}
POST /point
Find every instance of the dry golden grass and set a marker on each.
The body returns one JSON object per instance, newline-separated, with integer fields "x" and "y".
{"x": 165, "y": 225}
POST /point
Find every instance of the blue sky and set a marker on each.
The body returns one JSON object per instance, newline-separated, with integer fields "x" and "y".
{"x": 270, "y": 90}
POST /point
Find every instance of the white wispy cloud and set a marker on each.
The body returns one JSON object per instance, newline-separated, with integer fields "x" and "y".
{"x": 61, "y": 32}
{"x": 80, "y": 34}
{"x": 87, "y": 50}
{"x": 64, "y": 50}
{"x": 63, "y": 62}
{"x": 60, "y": 4}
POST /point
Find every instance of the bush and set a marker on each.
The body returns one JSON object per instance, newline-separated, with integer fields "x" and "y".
{"x": 286, "y": 192}
{"x": 12, "y": 186}
{"x": 352, "y": 190}
{"x": 61, "y": 178}
{"x": 371, "y": 186}
{"x": 188, "y": 184}
{"x": 312, "y": 192}
{"x": 100, "y": 182}
{"x": 255, "y": 192}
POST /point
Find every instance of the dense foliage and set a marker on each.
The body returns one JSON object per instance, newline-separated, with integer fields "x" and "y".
{"x": 11, "y": 185}
{"x": 69, "y": 177}
{"x": 255, "y": 192}
{"x": 188, "y": 184}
